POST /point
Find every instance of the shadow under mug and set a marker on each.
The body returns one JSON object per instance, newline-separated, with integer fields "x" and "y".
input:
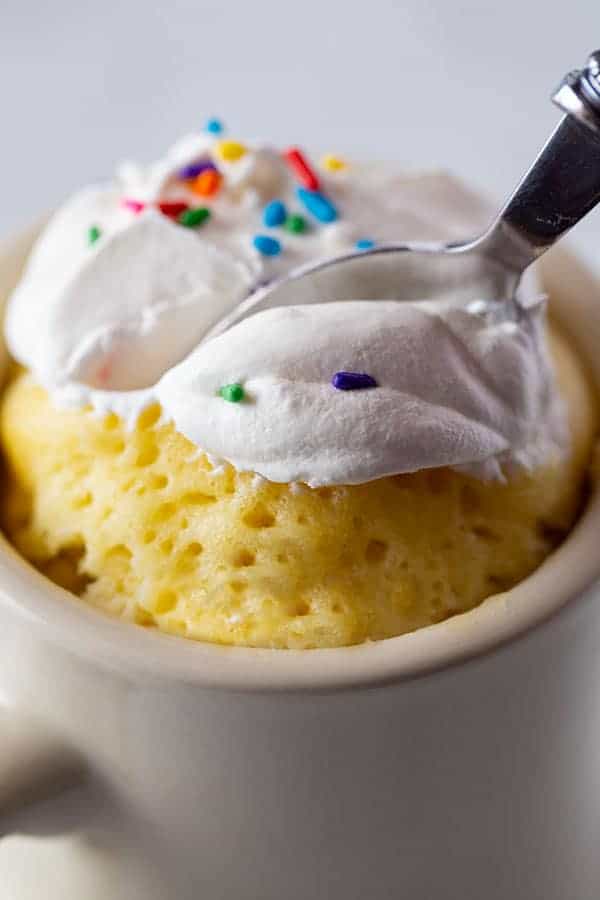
{"x": 462, "y": 760}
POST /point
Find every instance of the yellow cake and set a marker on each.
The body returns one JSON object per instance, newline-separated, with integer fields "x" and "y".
{"x": 142, "y": 526}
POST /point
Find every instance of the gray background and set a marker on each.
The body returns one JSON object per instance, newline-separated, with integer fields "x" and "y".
{"x": 462, "y": 85}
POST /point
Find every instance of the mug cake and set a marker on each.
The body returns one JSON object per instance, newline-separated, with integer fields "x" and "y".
{"x": 315, "y": 475}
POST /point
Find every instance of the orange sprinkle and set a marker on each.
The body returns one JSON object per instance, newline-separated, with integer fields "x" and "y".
{"x": 206, "y": 183}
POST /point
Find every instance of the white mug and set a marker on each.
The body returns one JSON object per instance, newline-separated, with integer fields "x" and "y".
{"x": 460, "y": 761}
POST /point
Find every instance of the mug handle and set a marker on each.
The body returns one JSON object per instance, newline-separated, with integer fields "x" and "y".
{"x": 34, "y": 763}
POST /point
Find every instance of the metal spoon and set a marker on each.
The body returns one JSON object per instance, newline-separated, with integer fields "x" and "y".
{"x": 561, "y": 187}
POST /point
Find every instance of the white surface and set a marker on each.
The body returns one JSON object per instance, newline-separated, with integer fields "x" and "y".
{"x": 461, "y": 84}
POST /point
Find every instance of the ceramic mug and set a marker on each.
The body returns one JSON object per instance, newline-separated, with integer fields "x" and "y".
{"x": 460, "y": 761}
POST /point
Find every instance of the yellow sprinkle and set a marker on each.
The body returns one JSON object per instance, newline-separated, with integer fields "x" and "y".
{"x": 333, "y": 163}
{"x": 230, "y": 150}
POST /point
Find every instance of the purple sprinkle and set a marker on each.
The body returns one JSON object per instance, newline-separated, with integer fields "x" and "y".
{"x": 194, "y": 169}
{"x": 353, "y": 381}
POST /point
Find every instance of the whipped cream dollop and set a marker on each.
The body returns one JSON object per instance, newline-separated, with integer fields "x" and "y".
{"x": 452, "y": 387}
{"x": 119, "y": 296}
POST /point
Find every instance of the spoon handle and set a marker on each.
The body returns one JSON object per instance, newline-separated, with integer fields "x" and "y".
{"x": 562, "y": 185}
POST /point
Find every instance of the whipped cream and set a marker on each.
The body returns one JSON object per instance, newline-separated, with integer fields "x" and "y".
{"x": 123, "y": 321}
{"x": 453, "y": 388}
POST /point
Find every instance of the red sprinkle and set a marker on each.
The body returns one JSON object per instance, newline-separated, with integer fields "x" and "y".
{"x": 172, "y": 209}
{"x": 301, "y": 168}
{"x": 135, "y": 206}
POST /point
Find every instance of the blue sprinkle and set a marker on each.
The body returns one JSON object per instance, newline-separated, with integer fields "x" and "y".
{"x": 268, "y": 246}
{"x": 194, "y": 169}
{"x": 353, "y": 381}
{"x": 214, "y": 126}
{"x": 274, "y": 213}
{"x": 364, "y": 244}
{"x": 317, "y": 204}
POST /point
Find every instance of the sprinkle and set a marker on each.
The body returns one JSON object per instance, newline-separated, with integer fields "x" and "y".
{"x": 207, "y": 183}
{"x": 298, "y": 164}
{"x": 135, "y": 206}
{"x": 93, "y": 234}
{"x": 268, "y": 246}
{"x": 333, "y": 163}
{"x": 172, "y": 209}
{"x": 317, "y": 204}
{"x": 274, "y": 213}
{"x": 230, "y": 151}
{"x": 191, "y": 218}
{"x": 194, "y": 169}
{"x": 233, "y": 393}
{"x": 364, "y": 244}
{"x": 103, "y": 373}
{"x": 214, "y": 126}
{"x": 295, "y": 223}
{"x": 353, "y": 381}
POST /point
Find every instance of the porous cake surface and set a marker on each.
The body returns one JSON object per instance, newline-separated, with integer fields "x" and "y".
{"x": 143, "y": 526}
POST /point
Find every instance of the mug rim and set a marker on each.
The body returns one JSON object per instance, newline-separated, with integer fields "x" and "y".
{"x": 62, "y": 618}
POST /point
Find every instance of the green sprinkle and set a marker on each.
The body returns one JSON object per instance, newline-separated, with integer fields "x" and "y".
{"x": 93, "y": 234}
{"x": 295, "y": 223}
{"x": 194, "y": 217}
{"x": 233, "y": 393}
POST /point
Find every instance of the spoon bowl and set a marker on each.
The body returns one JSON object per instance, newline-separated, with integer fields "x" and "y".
{"x": 458, "y": 273}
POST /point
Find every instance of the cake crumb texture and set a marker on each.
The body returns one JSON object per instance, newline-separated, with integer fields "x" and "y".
{"x": 140, "y": 525}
